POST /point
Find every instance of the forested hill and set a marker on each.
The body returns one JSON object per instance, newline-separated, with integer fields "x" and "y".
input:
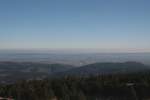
{"x": 103, "y": 81}
{"x": 102, "y": 87}
{"x": 13, "y": 71}
{"x": 106, "y": 68}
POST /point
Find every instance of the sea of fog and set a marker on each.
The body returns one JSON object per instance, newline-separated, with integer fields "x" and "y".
{"x": 74, "y": 58}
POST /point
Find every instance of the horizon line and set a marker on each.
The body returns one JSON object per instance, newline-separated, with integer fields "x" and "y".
{"x": 75, "y": 50}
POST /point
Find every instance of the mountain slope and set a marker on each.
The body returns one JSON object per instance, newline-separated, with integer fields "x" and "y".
{"x": 106, "y": 68}
{"x": 11, "y": 71}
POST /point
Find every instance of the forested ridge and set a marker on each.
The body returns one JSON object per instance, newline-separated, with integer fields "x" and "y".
{"x": 11, "y": 72}
{"x": 100, "y": 87}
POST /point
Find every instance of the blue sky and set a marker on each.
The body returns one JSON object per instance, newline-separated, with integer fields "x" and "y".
{"x": 119, "y": 25}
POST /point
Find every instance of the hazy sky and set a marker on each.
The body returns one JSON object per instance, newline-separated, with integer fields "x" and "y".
{"x": 120, "y": 25}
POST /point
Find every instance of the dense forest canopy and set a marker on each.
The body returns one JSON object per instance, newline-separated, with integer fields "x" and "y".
{"x": 101, "y": 87}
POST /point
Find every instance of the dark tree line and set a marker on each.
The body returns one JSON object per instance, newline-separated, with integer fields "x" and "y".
{"x": 101, "y": 87}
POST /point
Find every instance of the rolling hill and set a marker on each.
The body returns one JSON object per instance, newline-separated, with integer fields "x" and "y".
{"x": 106, "y": 68}
{"x": 12, "y": 71}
